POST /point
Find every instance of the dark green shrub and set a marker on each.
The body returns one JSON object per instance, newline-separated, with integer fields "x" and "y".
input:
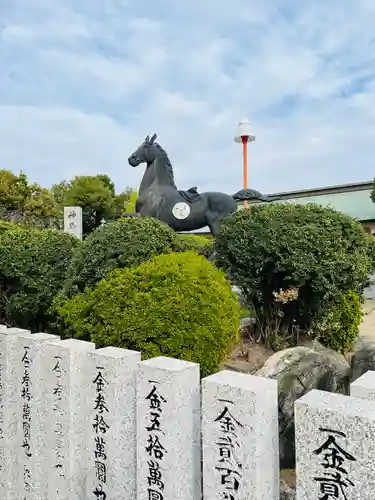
{"x": 291, "y": 261}
{"x": 338, "y": 327}
{"x": 33, "y": 264}
{"x": 176, "y": 305}
{"x": 123, "y": 243}
{"x": 200, "y": 244}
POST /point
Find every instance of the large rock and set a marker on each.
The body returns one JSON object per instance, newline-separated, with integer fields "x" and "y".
{"x": 363, "y": 358}
{"x": 240, "y": 295}
{"x": 299, "y": 370}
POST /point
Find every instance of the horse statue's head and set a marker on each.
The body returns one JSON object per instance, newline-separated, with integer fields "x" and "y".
{"x": 146, "y": 153}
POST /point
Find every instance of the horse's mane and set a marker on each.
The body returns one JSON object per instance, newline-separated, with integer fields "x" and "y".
{"x": 167, "y": 164}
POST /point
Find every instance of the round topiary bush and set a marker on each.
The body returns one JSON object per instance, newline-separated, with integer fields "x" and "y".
{"x": 291, "y": 261}
{"x": 176, "y": 305}
{"x": 338, "y": 326}
{"x": 33, "y": 264}
{"x": 200, "y": 244}
{"x": 123, "y": 243}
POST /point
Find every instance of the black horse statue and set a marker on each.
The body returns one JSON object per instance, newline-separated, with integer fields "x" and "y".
{"x": 181, "y": 210}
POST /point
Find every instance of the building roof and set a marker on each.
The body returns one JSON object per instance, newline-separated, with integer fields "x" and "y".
{"x": 351, "y": 199}
{"x": 340, "y": 188}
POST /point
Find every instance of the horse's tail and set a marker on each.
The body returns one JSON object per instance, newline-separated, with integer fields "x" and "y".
{"x": 251, "y": 194}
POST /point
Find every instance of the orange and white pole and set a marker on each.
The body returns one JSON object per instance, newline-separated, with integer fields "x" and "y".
{"x": 244, "y": 151}
{"x": 244, "y": 136}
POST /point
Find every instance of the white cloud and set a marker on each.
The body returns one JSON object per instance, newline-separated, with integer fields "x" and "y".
{"x": 13, "y": 34}
{"x": 83, "y": 82}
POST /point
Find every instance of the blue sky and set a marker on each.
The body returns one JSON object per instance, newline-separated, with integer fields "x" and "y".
{"x": 83, "y": 81}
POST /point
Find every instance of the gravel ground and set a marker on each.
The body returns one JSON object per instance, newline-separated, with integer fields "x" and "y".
{"x": 367, "y": 328}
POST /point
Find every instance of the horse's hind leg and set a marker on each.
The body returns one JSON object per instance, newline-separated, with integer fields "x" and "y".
{"x": 214, "y": 225}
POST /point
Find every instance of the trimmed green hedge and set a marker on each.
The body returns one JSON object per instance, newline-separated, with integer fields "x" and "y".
{"x": 291, "y": 261}
{"x": 124, "y": 243}
{"x": 6, "y": 226}
{"x": 176, "y": 305}
{"x": 200, "y": 244}
{"x": 33, "y": 264}
{"x": 338, "y": 328}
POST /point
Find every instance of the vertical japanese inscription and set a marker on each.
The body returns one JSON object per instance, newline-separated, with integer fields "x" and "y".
{"x": 26, "y": 415}
{"x": 57, "y": 396}
{"x": 334, "y": 480}
{"x": 101, "y": 428}
{"x": 72, "y": 215}
{"x": 154, "y": 446}
{"x": 229, "y": 461}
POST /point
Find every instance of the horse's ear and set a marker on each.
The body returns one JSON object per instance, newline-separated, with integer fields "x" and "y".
{"x": 153, "y": 138}
{"x": 147, "y": 139}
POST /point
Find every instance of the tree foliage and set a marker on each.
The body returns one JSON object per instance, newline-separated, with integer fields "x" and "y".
{"x": 25, "y": 203}
{"x": 96, "y": 196}
{"x": 130, "y": 202}
{"x": 176, "y": 305}
{"x": 291, "y": 261}
{"x": 13, "y": 190}
{"x": 32, "y": 205}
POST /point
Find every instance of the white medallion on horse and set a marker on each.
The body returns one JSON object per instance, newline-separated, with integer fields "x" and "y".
{"x": 181, "y": 210}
